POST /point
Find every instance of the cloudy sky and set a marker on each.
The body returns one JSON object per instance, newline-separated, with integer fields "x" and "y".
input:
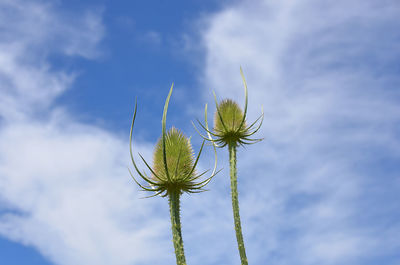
{"x": 322, "y": 188}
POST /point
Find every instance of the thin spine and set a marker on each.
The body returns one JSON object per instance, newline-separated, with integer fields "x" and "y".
{"x": 163, "y": 125}
{"x": 212, "y": 141}
{"x": 219, "y": 113}
{"x": 235, "y": 204}
{"x": 174, "y": 204}
{"x": 131, "y": 152}
{"x": 245, "y": 101}
{"x": 195, "y": 163}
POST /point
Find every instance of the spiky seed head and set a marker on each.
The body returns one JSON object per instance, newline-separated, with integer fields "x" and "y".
{"x": 179, "y": 154}
{"x": 231, "y": 114}
{"x": 228, "y": 122}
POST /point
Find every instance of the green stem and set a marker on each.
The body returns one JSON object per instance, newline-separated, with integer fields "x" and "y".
{"x": 176, "y": 227}
{"x": 235, "y": 203}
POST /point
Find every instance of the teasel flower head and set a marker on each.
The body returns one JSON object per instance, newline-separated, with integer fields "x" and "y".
{"x": 230, "y": 126}
{"x": 180, "y": 158}
{"x": 174, "y": 165}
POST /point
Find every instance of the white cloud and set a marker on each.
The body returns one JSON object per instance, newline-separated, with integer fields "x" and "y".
{"x": 33, "y": 31}
{"x": 73, "y": 197}
{"x": 325, "y": 72}
{"x": 308, "y": 197}
{"x": 64, "y": 186}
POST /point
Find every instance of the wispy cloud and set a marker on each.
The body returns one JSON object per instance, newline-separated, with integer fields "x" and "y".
{"x": 320, "y": 189}
{"x": 64, "y": 186}
{"x": 31, "y": 32}
{"x": 71, "y": 198}
{"x": 327, "y": 75}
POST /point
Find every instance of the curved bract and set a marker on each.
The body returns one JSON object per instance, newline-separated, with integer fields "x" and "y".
{"x": 230, "y": 127}
{"x": 174, "y": 163}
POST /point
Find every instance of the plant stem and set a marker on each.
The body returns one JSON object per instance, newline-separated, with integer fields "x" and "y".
{"x": 176, "y": 227}
{"x": 235, "y": 203}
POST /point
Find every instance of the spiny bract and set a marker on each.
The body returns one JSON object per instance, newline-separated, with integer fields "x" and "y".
{"x": 179, "y": 153}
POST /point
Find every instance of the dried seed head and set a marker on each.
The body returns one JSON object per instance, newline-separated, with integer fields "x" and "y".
{"x": 230, "y": 117}
{"x": 179, "y": 154}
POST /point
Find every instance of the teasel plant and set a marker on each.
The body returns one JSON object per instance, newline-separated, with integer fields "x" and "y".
{"x": 173, "y": 173}
{"x": 231, "y": 130}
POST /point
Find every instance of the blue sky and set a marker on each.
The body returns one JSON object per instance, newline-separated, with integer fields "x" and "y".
{"x": 322, "y": 188}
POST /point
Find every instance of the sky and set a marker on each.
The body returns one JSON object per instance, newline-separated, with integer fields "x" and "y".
{"x": 321, "y": 188}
